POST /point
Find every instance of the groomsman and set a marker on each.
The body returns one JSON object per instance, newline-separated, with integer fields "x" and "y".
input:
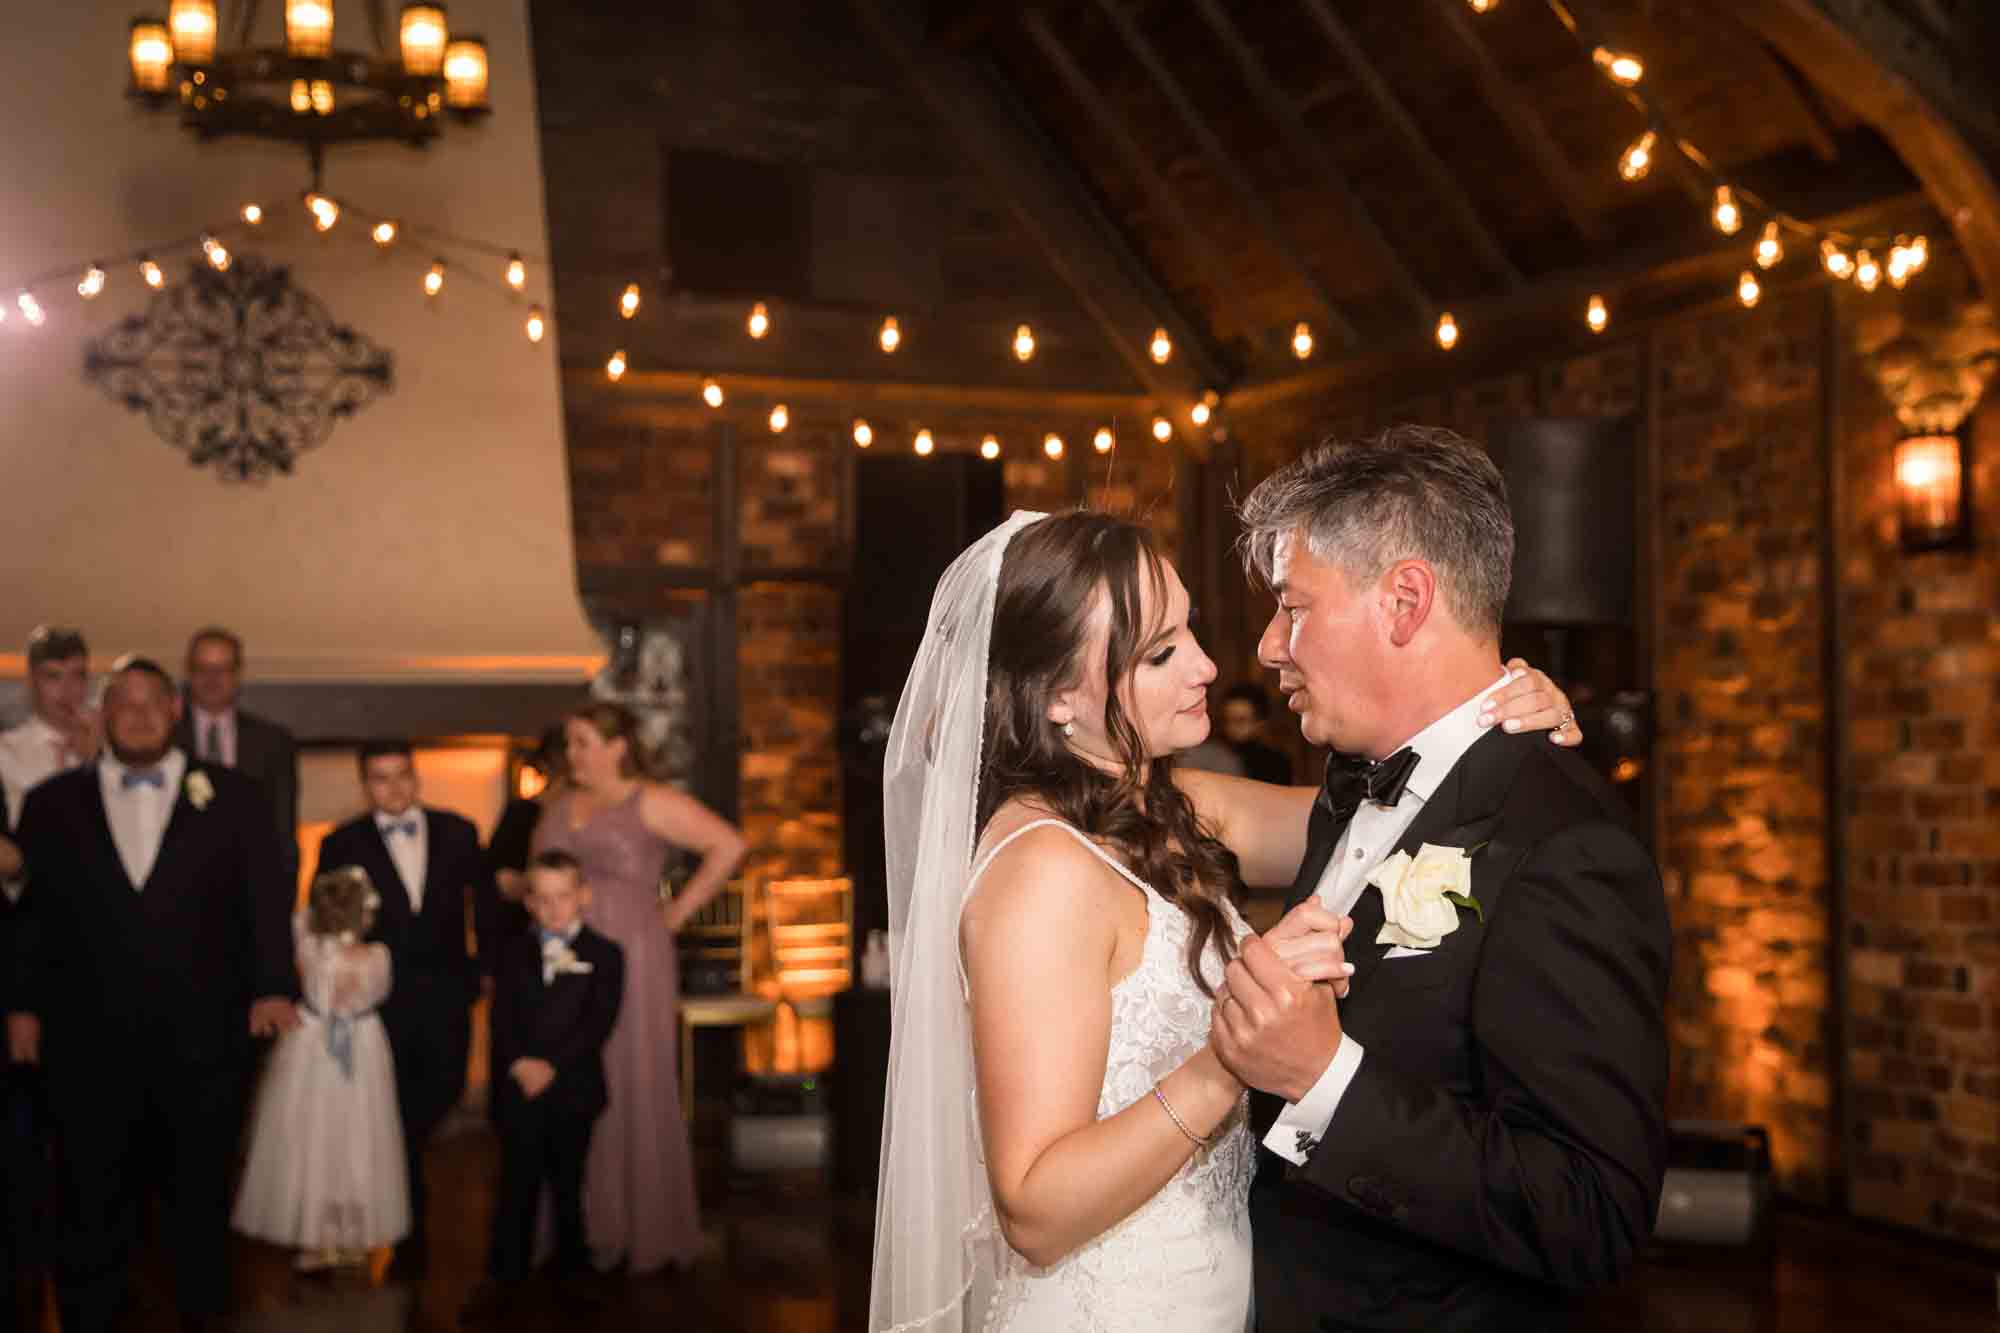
{"x": 61, "y": 729}
{"x": 426, "y": 864}
{"x": 152, "y": 943}
{"x": 216, "y": 731}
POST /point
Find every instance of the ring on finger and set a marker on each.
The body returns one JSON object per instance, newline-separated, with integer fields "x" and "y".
{"x": 1565, "y": 721}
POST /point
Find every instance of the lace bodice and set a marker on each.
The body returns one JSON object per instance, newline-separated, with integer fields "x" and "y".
{"x": 339, "y": 980}
{"x": 1182, "y": 1260}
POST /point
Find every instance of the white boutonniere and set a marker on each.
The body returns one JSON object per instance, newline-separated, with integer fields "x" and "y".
{"x": 200, "y": 791}
{"x": 1421, "y": 895}
{"x": 559, "y": 960}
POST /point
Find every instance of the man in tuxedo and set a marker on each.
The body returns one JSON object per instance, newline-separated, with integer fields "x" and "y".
{"x": 216, "y": 731}
{"x": 1478, "y": 1129}
{"x": 426, "y": 864}
{"x": 152, "y": 943}
{"x": 61, "y": 729}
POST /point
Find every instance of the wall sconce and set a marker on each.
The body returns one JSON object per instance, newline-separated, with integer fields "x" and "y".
{"x": 1932, "y": 490}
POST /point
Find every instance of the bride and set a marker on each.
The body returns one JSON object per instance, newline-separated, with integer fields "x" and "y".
{"x": 1062, "y": 1149}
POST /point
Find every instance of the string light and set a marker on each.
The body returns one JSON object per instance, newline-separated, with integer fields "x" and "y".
{"x": 780, "y": 419}
{"x": 1163, "y": 429}
{"x": 92, "y": 282}
{"x": 864, "y": 434}
{"x": 1103, "y": 440}
{"x": 1302, "y": 340}
{"x": 892, "y": 334}
{"x": 1728, "y": 217}
{"x": 989, "y": 448}
{"x": 325, "y": 211}
{"x": 923, "y": 444}
{"x": 253, "y": 213}
{"x": 434, "y": 280}
{"x": 1748, "y": 290}
{"x": 1447, "y": 331}
{"x": 1596, "y": 314}
{"x": 759, "y": 322}
{"x": 1769, "y": 248}
{"x": 1052, "y": 445}
{"x": 1867, "y": 273}
{"x": 1637, "y": 160}
{"x": 1200, "y": 413}
{"x": 31, "y": 309}
{"x": 217, "y": 252}
{"x": 152, "y": 274}
{"x": 711, "y": 393}
{"x": 615, "y": 367}
{"x": 1920, "y": 254}
{"x": 1024, "y": 344}
{"x": 1483, "y": 6}
{"x": 1620, "y": 67}
{"x": 536, "y": 325}
{"x": 1162, "y": 347}
{"x": 384, "y": 233}
{"x": 517, "y": 272}
{"x": 628, "y": 304}
{"x": 1835, "y": 260}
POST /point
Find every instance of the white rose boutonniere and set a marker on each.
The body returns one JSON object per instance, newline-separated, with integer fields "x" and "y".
{"x": 1421, "y": 895}
{"x": 200, "y": 791}
{"x": 559, "y": 960}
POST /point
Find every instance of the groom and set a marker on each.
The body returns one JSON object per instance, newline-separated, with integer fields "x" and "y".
{"x": 1478, "y": 1130}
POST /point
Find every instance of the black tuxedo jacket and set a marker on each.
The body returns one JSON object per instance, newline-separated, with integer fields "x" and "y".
{"x": 1504, "y": 1140}
{"x": 266, "y": 754}
{"x": 565, "y": 1022}
{"x": 168, "y": 969}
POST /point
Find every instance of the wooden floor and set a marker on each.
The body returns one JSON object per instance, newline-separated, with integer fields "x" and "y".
{"x": 787, "y": 1256}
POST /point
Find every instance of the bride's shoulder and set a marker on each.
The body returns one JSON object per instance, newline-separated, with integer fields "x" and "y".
{"x": 1034, "y": 865}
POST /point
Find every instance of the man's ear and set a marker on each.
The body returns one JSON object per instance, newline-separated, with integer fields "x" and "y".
{"x": 1409, "y": 592}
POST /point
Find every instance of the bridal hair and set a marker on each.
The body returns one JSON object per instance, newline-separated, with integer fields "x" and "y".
{"x": 1050, "y": 580}
{"x": 1407, "y": 492}
{"x": 342, "y": 902}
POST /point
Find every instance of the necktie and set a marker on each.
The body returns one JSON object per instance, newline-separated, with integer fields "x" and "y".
{"x": 211, "y": 742}
{"x": 404, "y": 826}
{"x": 143, "y": 777}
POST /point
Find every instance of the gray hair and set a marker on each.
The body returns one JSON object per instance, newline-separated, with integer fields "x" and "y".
{"x": 1410, "y": 492}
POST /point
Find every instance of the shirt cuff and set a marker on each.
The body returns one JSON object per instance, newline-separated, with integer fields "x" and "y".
{"x": 1302, "y": 1124}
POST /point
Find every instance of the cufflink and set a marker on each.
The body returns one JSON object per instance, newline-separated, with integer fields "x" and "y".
{"x": 1305, "y": 1144}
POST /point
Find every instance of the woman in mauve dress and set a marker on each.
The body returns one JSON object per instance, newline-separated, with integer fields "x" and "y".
{"x": 639, "y": 1196}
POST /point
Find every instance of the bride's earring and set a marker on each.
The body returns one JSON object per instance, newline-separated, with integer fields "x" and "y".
{"x": 1069, "y": 730}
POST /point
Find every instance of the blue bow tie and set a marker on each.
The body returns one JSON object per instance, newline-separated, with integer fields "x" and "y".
{"x": 547, "y": 935}
{"x": 406, "y": 826}
{"x": 143, "y": 777}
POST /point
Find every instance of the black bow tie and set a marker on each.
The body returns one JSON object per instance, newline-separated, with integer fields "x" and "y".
{"x": 1351, "y": 779}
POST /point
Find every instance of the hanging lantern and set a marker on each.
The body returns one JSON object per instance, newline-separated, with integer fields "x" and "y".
{"x": 152, "y": 53}
{"x": 424, "y": 35}
{"x": 1930, "y": 490}
{"x": 465, "y": 75}
{"x": 192, "y": 23}
{"x": 309, "y": 29}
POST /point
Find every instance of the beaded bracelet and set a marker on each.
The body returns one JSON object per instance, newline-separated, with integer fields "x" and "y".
{"x": 1179, "y": 1123}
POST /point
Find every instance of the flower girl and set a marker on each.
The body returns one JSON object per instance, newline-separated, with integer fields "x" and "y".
{"x": 325, "y": 1172}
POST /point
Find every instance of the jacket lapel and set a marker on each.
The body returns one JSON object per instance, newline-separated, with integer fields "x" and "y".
{"x": 107, "y": 846}
{"x": 182, "y": 811}
{"x": 1321, "y": 837}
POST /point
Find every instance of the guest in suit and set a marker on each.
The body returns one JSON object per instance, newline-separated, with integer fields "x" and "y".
{"x": 216, "y": 731}
{"x": 1245, "y": 711}
{"x": 556, "y": 994}
{"x": 426, "y": 865}
{"x": 152, "y": 943}
{"x": 62, "y": 729}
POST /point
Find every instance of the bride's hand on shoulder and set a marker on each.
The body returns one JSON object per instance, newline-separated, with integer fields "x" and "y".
{"x": 1312, "y": 941}
{"x": 1530, "y": 701}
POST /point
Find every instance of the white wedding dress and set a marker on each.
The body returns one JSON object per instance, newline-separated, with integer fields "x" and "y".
{"x": 1181, "y": 1263}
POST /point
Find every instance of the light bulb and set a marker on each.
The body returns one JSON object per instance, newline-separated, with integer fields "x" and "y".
{"x": 253, "y": 213}
{"x": 384, "y": 233}
{"x": 1835, "y": 260}
{"x": 1637, "y": 160}
{"x": 31, "y": 309}
{"x": 1483, "y": 6}
{"x": 434, "y": 280}
{"x": 1898, "y": 267}
{"x": 1162, "y": 347}
{"x": 1920, "y": 253}
{"x": 302, "y": 98}
{"x": 517, "y": 272}
{"x": 615, "y": 367}
{"x": 92, "y": 282}
{"x": 151, "y": 273}
{"x": 1052, "y": 445}
{"x": 711, "y": 393}
{"x": 1103, "y": 440}
{"x": 1769, "y": 248}
{"x": 923, "y": 444}
{"x": 324, "y": 210}
{"x": 1596, "y": 314}
{"x": 217, "y": 252}
{"x": 864, "y": 434}
{"x": 1728, "y": 217}
{"x": 321, "y": 94}
{"x": 1748, "y": 291}
{"x": 1200, "y": 413}
{"x": 1867, "y": 273}
{"x": 892, "y": 334}
{"x": 1302, "y": 340}
{"x": 1620, "y": 67}
{"x": 759, "y": 323}
{"x": 989, "y": 448}
{"x": 1447, "y": 331}
{"x": 1163, "y": 429}
{"x": 1024, "y": 343}
{"x": 628, "y": 304}
{"x": 780, "y": 419}
{"x": 536, "y": 325}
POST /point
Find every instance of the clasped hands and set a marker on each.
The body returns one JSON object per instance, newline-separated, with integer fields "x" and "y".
{"x": 1276, "y": 1019}
{"x": 533, "y": 1075}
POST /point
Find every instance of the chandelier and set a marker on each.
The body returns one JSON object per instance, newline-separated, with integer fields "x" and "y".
{"x": 308, "y": 91}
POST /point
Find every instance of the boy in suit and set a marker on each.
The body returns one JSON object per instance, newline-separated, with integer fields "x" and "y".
{"x": 556, "y": 993}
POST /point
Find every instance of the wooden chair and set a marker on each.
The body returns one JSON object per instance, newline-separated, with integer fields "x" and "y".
{"x": 719, "y": 934}
{"x": 812, "y": 941}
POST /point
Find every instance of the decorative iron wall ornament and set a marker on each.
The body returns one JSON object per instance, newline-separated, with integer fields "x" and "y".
{"x": 239, "y": 369}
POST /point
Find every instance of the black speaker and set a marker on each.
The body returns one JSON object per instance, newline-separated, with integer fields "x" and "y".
{"x": 1571, "y": 483}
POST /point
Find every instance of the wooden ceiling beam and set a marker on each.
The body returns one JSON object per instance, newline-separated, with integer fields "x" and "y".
{"x": 1444, "y": 184}
{"x": 1219, "y": 157}
{"x": 1523, "y": 122}
{"x": 1808, "y": 112}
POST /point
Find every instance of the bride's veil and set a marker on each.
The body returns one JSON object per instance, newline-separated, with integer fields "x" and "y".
{"x": 936, "y": 1246}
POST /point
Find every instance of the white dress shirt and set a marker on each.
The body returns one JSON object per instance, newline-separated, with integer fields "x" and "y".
{"x": 138, "y": 814}
{"x": 1366, "y": 844}
{"x": 224, "y": 728}
{"x": 28, "y": 754}
{"x": 410, "y": 851}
